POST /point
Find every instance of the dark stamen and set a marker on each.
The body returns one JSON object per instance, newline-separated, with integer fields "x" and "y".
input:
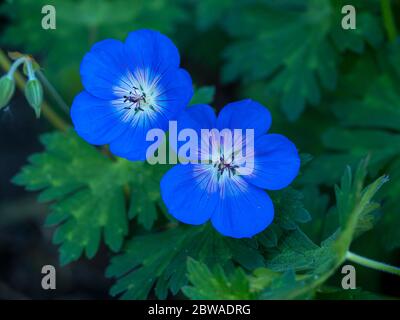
{"x": 135, "y": 99}
{"x": 222, "y": 166}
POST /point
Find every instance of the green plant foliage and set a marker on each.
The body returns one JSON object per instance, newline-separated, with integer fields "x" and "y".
{"x": 293, "y": 44}
{"x": 299, "y": 267}
{"x": 216, "y": 286}
{"x": 62, "y": 49}
{"x": 86, "y": 189}
{"x": 203, "y": 95}
{"x": 335, "y": 93}
{"x": 143, "y": 264}
{"x": 370, "y": 125}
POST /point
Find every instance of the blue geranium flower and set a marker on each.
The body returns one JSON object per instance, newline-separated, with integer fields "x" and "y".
{"x": 130, "y": 88}
{"x": 236, "y": 204}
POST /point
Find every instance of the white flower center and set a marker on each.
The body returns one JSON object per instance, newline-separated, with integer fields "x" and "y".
{"x": 225, "y": 157}
{"x": 137, "y": 93}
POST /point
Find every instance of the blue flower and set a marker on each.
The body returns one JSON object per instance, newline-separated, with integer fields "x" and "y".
{"x": 235, "y": 203}
{"x": 130, "y": 88}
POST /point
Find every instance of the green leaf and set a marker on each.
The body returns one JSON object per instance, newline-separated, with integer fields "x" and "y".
{"x": 298, "y": 58}
{"x": 368, "y": 30}
{"x": 388, "y": 225}
{"x": 144, "y": 263}
{"x": 323, "y": 222}
{"x": 296, "y": 81}
{"x": 316, "y": 264}
{"x": 208, "y": 285}
{"x": 355, "y": 205}
{"x": 369, "y": 124}
{"x": 289, "y": 213}
{"x": 87, "y": 191}
{"x": 145, "y": 199}
{"x": 297, "y": 252}
{"x": 289, "y": 208}
{"x": 203, "y": 95}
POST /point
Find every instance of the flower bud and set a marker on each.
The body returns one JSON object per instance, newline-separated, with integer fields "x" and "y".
{"x": 7, "y": 87}
{"x": 34, "y": 95}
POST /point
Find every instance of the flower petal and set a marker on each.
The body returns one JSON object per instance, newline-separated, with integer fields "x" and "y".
{"x": 190, "y": 193}
{"x": 132, "y": 144}
{"x": 175, "y": 91}
{"x": 243, "y": 211}
{"x": 151, "y": 49}
{"x": 276, "y": 162}
{"x": 102, "y": 68}
{"x": 245, "y": 114}
{"x": 96, "y": 120}
{"x": 197, "y": 117}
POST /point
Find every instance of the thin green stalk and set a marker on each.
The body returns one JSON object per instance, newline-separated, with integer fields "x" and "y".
{"x": 15, "y": 66}
{"x": 29, "y": 68}
{"x": 47, "y": 111}
{"x": 53, "y": 92}
{"x": 388, "y": 20}
{"x": 376, "y": 265}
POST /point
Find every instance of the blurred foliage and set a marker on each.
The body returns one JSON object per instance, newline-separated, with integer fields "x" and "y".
{"x": 334, "y": 92}
{"x": 295, "y": 45}
{"x": 79, "y": 25}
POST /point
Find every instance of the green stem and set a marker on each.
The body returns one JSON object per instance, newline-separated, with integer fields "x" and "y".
{"x": 15, "y": 66}
{"x": 53, "y": 92}
{"x": 388, "y": 20}
{"x": 29, "y": 68}
{"x": 372, "y": 263}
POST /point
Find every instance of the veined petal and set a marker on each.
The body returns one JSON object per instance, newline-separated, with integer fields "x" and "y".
{"x": 245, "y": 114}
{"x": 102, "y": 68}
{"x": 96, "y": 120}
{"x": 132, "y": 144}
{"x": 196, "y": 118}
{"x": 243, "y": 209}
{"x": 174, "y": 93}
{"x": 190, "y": 192}
{"x": 151, "y": 49}
{"x": 276, "y": 162}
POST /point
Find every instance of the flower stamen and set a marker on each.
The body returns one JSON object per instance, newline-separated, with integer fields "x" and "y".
{"x": 223, "y": 166}
{"x": 135, "y": 97}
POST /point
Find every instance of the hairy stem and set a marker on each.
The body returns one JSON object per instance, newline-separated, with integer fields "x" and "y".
{"x": 48, "y": 113}
{"x": 376, "y": 265}
{"x": 388, "y": 20}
